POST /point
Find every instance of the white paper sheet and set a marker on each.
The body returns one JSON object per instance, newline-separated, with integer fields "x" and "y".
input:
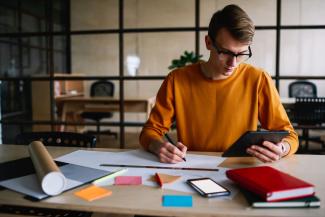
{"x": 136, "y": 157}
{"x": 139, "y": 157}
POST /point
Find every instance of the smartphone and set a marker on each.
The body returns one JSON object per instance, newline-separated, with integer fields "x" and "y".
{"x": 208, "y": 187}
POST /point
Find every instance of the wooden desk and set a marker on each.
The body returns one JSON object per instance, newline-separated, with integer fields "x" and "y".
{"x": 144, "y": 200}
{"x": 74, "y": 104}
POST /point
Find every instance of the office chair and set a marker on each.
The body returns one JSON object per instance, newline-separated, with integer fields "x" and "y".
{"x": 308, "y": 113}
{"x": 302, "y": 89}
{"x": 100, "y": 88}
{"x": 64, "y": 139}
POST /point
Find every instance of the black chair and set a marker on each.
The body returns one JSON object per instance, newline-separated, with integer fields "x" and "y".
{"x": 66, "y": 139}
{"x": 302, "y": 89}
{"x": 100, "y": 88}
{"x": 309, "y": 113}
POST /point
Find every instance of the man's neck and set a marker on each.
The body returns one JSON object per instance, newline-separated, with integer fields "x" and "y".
{"x": 210, "y": 72}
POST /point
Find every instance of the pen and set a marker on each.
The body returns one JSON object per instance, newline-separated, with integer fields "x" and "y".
{"x": 158, "y": 167}
{"x": 109, "y": 176}
{"x": 171, "y": 141}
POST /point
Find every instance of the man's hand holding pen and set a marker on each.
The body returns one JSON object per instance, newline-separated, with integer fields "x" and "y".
{"x": 167, "y": 152}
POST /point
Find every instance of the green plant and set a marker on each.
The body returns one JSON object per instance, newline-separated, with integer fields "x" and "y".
{"x": 185, "y": 59}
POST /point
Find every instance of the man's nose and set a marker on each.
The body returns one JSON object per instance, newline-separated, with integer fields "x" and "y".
{"x": 232, "y": 61}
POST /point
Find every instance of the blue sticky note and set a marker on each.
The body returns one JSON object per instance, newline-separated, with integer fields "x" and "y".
{"x": 177, "y": 201}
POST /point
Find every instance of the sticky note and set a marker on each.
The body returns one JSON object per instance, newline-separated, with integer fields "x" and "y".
{"x": 128, "y": 180}
{"x": 93, "y": 193}
{"x": 177, "y": 201}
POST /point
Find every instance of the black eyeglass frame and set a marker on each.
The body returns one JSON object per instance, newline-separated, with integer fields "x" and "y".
{"x": 227, "y": 52}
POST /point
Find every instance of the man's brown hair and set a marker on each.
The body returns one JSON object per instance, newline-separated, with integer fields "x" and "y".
{"x": 235, "y": 20}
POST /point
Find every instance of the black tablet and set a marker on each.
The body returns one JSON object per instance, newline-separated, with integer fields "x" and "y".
{"x": 238, "y": 149}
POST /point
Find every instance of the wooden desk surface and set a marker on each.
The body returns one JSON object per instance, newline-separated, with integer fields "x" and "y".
{"x": 144, "y": 200}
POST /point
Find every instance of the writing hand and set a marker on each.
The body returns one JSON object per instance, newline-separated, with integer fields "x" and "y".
{"x": 169, "y": 153}
{"x": 268, "y": 152}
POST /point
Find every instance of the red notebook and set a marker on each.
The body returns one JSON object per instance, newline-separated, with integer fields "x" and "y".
{"x": 270, "y": 184}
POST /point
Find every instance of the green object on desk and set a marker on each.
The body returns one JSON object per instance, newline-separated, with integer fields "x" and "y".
{"x": 110, "y": 176}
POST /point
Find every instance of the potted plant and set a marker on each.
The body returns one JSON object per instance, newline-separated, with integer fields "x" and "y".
{"x": 185, "y": 59}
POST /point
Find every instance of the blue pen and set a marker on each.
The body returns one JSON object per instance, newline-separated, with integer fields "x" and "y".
{"x": 172, "y": 142}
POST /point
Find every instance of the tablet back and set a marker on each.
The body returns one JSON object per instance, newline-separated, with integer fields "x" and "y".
{"x": 238, "y": 149}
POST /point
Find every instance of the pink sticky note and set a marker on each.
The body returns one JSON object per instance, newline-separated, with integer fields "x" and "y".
{"x": 128, "y": 180}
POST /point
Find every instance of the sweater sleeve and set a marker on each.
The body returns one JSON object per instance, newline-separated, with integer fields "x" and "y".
{"x": 272, "y": 114}
{"x": 162, "y": 115}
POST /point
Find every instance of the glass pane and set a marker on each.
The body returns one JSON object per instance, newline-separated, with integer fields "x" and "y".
{"x": 145, "y": 91}
{"x": 302, "y": 52}
{"x": 262, "y": 12}
{"x": 154, "y": 14}
{"x": 203, "y": 49}
{"x": 284, "y": 87}
{"x": 263, "y": 49}
{"x": 95, "y": 55}
{"x": 9, "y": 17}
{"x": 10, "y": 92}
{"x": 156, "y": 50}
{"x": 33, "y": 15}
{"x": 303, "y": 12}
{"x": 31, "y": 23}
{"x": 95, "y": 14}
{"x": 34, "y": 56}
{"x": 9, "y": 58}
{"x": 59, "y": 54}
{"x": 59, "y": 15}
{"x": 13, "y": 109}
{"x": 73, "y": 110}
{"x": 141, "y": 89}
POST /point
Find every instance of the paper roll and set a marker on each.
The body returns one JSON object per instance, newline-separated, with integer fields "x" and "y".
{"x": 51, "y": 179}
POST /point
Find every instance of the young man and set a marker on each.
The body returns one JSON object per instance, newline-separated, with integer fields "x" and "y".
{"x": 215, "y": 102}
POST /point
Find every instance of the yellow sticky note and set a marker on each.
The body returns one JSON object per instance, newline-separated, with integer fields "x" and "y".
{"x": 93, "y": 193}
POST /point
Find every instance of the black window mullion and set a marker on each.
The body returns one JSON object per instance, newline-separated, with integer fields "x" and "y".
{"x": 197, "y": 27}
{"x": 277, "y": 49}
{"x": 50, "y": 59}
{"x": 121, "y": 73}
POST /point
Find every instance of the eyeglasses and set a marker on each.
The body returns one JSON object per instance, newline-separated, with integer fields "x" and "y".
{"x": 226, "y": 54}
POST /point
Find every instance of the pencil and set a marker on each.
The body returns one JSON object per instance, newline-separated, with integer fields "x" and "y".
{"x": 172, "y": 142}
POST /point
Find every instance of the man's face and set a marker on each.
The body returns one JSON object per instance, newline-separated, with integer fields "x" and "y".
{"x": 227, "y": 52}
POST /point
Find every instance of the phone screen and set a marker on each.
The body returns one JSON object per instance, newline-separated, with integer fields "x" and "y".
{"x": 207, "y": 187}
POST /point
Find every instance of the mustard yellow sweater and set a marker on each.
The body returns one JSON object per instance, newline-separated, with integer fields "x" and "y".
{"x": 212, "y": 114}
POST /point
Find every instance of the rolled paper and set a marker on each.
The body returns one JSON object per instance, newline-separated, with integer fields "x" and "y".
{"x": 51, "y": 179}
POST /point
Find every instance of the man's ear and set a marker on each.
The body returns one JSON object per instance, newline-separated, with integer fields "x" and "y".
{"x": 208, "y": 42}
